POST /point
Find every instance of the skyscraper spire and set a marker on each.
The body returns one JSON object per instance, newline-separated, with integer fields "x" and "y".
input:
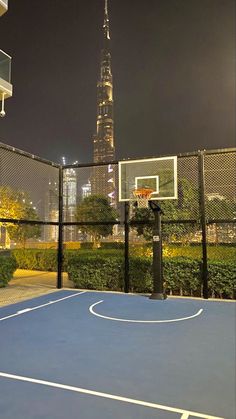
{"x": 106, "y": 22}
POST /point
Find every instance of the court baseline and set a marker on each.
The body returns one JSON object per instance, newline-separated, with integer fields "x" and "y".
{"x": 184, "y": 413}
{"x": 26, "y": 310}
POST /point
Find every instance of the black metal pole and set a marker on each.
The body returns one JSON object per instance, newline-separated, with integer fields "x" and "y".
{"x": 126, "y": 226}
{"x": 60, "y": 230}
{"x": 158, "y": 293}
{"x": 201, "y": 169}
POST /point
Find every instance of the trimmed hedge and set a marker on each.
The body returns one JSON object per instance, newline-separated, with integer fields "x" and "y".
{"x": 8, "y": 266}
{"x": 181, "y": 276}
{"x": 112, "y": 245}
{"x": 214, "y": 252}
{"x": 46, "y": 260}
{"x": 96, "y": 272}
{"x": 104, "y": 269}
{"x": 40, "y": 260}
{"x": 222, "y": 279}
{"x": 86, "y": 245}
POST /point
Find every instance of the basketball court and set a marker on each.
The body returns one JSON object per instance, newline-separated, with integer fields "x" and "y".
{"x": 97, "y": 354}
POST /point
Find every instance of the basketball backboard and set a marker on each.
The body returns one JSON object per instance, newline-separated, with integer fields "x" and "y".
{"x": 159, "y": 174}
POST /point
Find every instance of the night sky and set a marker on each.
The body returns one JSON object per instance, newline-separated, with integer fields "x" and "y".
{"x": 173, "y": 65}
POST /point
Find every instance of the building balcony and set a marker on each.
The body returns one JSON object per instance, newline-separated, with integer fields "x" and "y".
{"x": 5, "y": 75}
{"x": 3, "y": 6}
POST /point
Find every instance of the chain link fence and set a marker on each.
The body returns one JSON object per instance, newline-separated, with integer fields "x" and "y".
{"x": 29, "y": 219}
{"x": 69, "y": 219}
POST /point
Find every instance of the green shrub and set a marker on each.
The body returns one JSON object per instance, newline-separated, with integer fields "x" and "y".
{"x": 214, "y": 252}
{"x": 222, "y": 252}
{"x": 222, "y": 279}
{"x": 112, "y": 245}
{"x": 41, "y": 260}
{"x": 5, "y": 252}
{"x": 8, "y": 266}
{"x": 140, "y": 273}
{"x": 86, "y": 245}
{"x": 46, "y": 259}
{"x": 104, "y": 269}
{"x": 95, "y": 272}
{"x": 180, "y": 275}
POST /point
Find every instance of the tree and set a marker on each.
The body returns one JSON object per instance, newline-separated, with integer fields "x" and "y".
{"x": 220, "y": 209}
{"x": 183, "y": 208}
{"x": 96, "y": 208}
{"x": 16, "y": 204}
{"x": 11, "y": 203}
{"x": 21, "y": 233}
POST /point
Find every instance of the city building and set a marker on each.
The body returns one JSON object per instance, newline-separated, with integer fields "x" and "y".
{"x": 5, "y": 92}
{"x": 5, "y": 69}
{"x": 70, "y": 203}
{"x": 51, "y": 212}
{"x": 103, "y": 177}
{"x": 86, "y": 190}
{"x": 69, "y": 207}
{"x": 3, "y": 6}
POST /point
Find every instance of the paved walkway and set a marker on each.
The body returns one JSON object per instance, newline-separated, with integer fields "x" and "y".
{"x": 28, "y": 284}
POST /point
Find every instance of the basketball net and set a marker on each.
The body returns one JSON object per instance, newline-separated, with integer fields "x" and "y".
{"x": 142, "y": 196}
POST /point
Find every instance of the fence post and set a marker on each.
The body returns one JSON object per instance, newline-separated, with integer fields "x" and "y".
{"x": 126, "y": 225}
{"x": 202, "y": 207}
{"x": 60, "y": 230}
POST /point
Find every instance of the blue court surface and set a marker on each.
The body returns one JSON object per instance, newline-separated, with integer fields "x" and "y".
{"x": 92, "y": 355}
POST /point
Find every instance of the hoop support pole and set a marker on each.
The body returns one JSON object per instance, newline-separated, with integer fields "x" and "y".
{"x": 158, "y": 293}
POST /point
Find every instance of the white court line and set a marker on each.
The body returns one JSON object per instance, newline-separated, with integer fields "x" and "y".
{"x": 140, "y": 321}
{"x": 26, "y": 310}
{"x": 184, "y": 413}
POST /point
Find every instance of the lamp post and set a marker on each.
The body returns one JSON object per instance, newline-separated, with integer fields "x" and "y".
{"x": 158, "y": 293}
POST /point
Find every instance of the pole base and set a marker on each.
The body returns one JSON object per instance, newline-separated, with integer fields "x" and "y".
{"x": 158, "y": 296}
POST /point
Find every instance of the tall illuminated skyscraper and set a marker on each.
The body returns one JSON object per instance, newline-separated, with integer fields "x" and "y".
{"x": 70, "y": 203}
{"x": 104, "y": 139}
{"x": 103, "y": 181}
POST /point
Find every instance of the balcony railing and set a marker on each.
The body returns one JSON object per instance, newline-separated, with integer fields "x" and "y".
{"x": 3, "y": 6}
{"x": 5, "y": 74}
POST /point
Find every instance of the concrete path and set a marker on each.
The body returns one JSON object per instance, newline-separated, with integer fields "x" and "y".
{"x": 28, "y": 284}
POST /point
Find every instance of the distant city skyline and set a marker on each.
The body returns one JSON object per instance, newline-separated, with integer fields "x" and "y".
{"x": 173, "y": 67}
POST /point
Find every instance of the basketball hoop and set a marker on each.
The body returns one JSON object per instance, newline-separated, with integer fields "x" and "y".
{"x": 142, "y": 196}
